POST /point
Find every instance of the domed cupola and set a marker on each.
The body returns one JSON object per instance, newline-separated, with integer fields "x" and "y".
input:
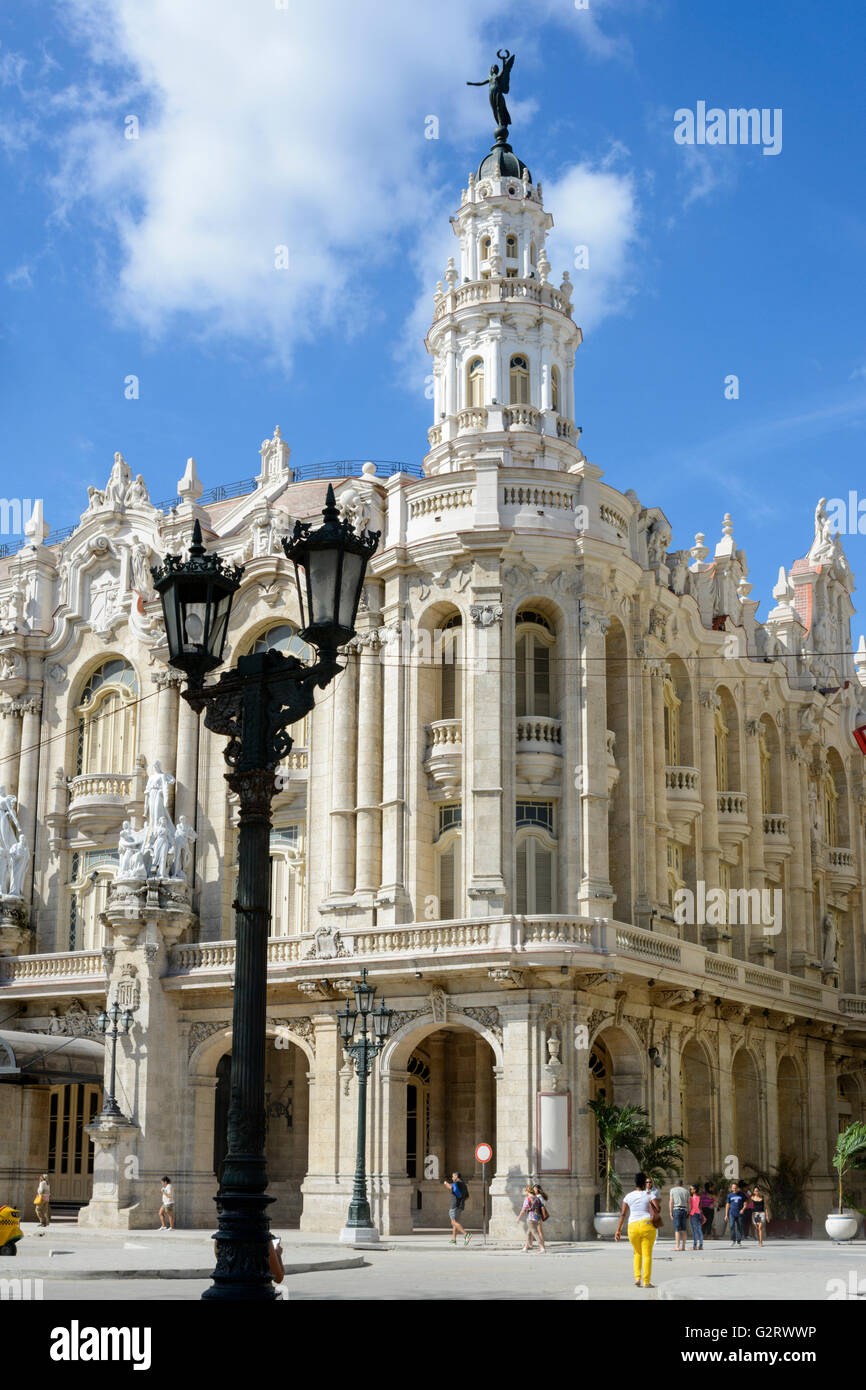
{"x": 503, "y": 338}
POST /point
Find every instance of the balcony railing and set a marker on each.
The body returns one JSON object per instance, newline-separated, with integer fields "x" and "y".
{"x": 78, "y": 966}
{"x": 116, "y": 785}
{"x": 474, "y": 418}
{"x": 539, "y": 732}
{"x": 732, "y": 805}
{"x": 521, "y": 417}
{"x": 775, "y": 826}
{"x": 683, "y": 780}
{"x": 498, "y": 288}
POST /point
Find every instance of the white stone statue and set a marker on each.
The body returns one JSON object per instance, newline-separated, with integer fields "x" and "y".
{"x": 160, "y": 849}
{"x": 156, "y": 803}
{"x": 10, "y": 830}
{"x": 118, "y": 482}
{"x": 184, "y": 839}
{"x": 137, "y": 494}
{"x": 19, "y": 857}
{"x": 830, "y": 943}
{"x": 140, "y": 557}
{"x": 131, "y": 862}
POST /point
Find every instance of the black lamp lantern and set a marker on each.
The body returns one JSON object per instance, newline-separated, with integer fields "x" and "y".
{"x": 364, "y": 995}
{"x": 196, "y": 603}
{"x": 330, "y": 564}
{"x": 347, "y": 1018}
{"x": 382, "y": 1022}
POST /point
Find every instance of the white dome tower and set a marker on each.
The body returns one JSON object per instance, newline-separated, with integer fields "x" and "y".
{"x": 503, "y": 339}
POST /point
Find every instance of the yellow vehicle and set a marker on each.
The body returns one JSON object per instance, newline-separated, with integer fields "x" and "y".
{"x": 10, "y": 1229}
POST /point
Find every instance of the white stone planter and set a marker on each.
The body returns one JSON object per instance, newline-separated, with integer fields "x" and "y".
{"x": 605, "y": 1223}
{"x": 842, "y": 1225}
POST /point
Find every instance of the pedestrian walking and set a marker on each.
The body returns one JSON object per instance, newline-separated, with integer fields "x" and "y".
{"x": 679, "y": 1209}
{"x": 696, "y": 1217}
{"x": 708, "y": 1210}
{"x": 42, "y": 1203}
{"x": 643, "y": 1211}
{"x": 167, "y": 1208}
{"x": 533, "y": 1209}
{"x": 459, "y": 1198}
{"x": 760, "y": 1213}
{"x": 734, "y": 1212}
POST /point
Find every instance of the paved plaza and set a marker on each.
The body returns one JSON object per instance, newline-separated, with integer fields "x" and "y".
{"x": 146, "y": 1266}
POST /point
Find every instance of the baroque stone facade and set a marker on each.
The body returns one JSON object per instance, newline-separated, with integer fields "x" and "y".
{"x": 589, "y": 824}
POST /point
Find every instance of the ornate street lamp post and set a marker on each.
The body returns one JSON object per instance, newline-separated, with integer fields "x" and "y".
{"x": 113, "y": 1024}
{"x": 362, "y": 1046}
{"x": 254, "y": 705}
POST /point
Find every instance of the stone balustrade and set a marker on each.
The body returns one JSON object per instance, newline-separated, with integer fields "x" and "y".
{"x": 598, "y": 943}
{"x": 443, "y": 760}
{"x": 775, "y": 826}
{"x": 117, "y": 785}
{"x": 430, "y": 503}
{"x": 683, "y": 779}
{"x": 445, "y": 733}
{"x": 538, "y": 731}
{"x": 473, "y": 418}
{"x": 527, "y": 494}
{"x": 732, "y": 804}
{"x": 511, "y": 288}
{"x": 521, "y": 417}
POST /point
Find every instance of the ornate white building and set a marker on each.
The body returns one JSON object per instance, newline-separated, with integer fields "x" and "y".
{"x": 550, "y": 726}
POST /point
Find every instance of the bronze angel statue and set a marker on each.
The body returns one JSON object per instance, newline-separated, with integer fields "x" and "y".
{"x": 498, "y": 83}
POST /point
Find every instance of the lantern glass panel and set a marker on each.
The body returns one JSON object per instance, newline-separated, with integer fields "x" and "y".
{"x": 323, "y": 577}
{"x": 347, "y": 1020}
{"x": 219, "y": 625}
{"x": 172, "y": 620}
{"x": 382, "y": 1022}
{"x": 194, "y": 624}
{"x": 350, "y": 590}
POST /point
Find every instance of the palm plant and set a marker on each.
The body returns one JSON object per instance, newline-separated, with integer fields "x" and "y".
{"x": 850, "y": 1153}
{"x": 785, "y": 1186}
{"x": 661, "y": 1156}
{"x": 619, "y": 1127}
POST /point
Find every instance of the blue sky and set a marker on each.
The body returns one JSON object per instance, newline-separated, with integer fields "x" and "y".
{"x": 304, "y": 127}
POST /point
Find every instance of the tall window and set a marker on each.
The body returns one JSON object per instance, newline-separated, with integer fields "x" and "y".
{"x": 475, "y": 382}
{"x": 449, "y": 638}
{"x": 518, "y": 378}
{"x": 766, "y": 760}
{"x": 675, "y": 870}
{"x": 449, "y": 890}
{"x": 554, "y": 389}
{"x": 672, "y": 724}
{"x": 288, "y": 866}
{"x": 534, "y": 886}
{"x": 533, "y": 648}
{"x": 511, "y": 248}
{"x": 831, "y": 810}
{"x": 106, "y": 719}
{"x": 721, "y": 751}
{"x": 486, "y": 247}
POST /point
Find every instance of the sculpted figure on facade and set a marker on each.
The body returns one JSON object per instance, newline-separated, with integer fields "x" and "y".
{"x": 184, "y": 839}
{"x": 156, "y": 802}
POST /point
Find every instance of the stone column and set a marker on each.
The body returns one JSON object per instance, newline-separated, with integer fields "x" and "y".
{"x": 483, "y": 735}
{"x": 515, "y": 1118}
{"x": 583, "y": 1127}
{"x": 186, "y": 763}
{"x": 759, "y": 945}
{"x": 726, "y": 1097}
{"x": 794, "y": 909}
{"x": 717, "y": 938}
{"x": 808, "y": 949}
{"x": 595, "y": 889}
{"x": 659, "y": 670}
{"x": 393, "y": 901}
{"x": 655, "y": 892}
{"x": 484, "y": 1062}
{"x": 368, "y": 848}
{"x": 28, "y": 781}
{"x": 165, "y": 749}
{"x": 392, "y": 1207}
{"x": 344, "y": 745}
{"x": 326, "y": 1191}
{"x": 11, "y": 714}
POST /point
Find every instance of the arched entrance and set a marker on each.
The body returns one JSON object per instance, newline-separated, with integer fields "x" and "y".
{"x": 790, "y": 1095}
{"x": 696, "y": 1111}
{"x": 448, "y": 1107}
{"x": 747, "y": 1111}
{"x": 617, "y": 1076}
{"x": 287, "y": 1126}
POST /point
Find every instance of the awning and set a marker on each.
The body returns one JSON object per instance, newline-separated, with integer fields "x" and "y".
{"x": 49, "y": 1059}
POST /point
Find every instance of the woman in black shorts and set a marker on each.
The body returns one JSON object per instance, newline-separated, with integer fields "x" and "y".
{"x": 760, "y": 1214}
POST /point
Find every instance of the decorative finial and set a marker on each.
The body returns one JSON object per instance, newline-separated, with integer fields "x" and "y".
{"x": 498, "y": 83}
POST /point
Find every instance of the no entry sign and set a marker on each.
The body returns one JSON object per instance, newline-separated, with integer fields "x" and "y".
{"x": 483, "y": 1153}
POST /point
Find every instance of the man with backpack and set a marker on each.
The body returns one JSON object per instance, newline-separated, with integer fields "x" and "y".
{"x": 459, "y": 1198}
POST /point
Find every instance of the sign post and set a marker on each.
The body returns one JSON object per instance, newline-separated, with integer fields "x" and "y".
{"x": 483, "y": 1155}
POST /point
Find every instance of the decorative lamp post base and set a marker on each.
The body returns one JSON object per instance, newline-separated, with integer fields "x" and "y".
{"x": 359, "y": 1235}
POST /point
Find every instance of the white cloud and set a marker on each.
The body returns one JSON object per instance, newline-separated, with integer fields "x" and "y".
{"x": 595, "y": 207}
{"x": 262, "y": 128}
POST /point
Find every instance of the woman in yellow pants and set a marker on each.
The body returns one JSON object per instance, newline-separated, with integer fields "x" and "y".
{"x": 640, "y": 1206}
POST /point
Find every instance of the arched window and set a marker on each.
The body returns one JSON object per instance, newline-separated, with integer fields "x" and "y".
{"x": 282, "y": 638}
{"x": 511, "y": 248}
{"x": 672, "y": 724}
{"x": 449, "y": 642}
{"x": 475, "y": 382}
{"x": 554, "y": 389}
{"x": 486, "y": 247}
{"x": 518, "y": 379}
{"x": 766, "y": 764}
{"x": 534, "y": 886}
{"x": 533, "y": 652}
{"x": 107, "y": 719}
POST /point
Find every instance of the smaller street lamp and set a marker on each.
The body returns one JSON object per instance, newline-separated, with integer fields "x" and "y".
{"x": 362, "y": 1046}
{"x": 113, "y": 1024}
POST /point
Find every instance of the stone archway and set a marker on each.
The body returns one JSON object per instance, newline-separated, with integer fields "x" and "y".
{"x": 451, "y": 1069}
{"x": 697, "y": 1111}
{"x": 617, "y": 1075}
{"x": 790, "y": 1099}
{"x": 288, "y": 1062}
{"x": 745, "y": 1085}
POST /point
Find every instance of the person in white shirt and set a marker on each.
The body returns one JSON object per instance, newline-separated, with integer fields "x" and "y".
{"x": 167, "y": 1208}
{"x": 640, "y": 1205}
{"x": 679, "y": 1209}
{"x": 43, "y": 1207}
